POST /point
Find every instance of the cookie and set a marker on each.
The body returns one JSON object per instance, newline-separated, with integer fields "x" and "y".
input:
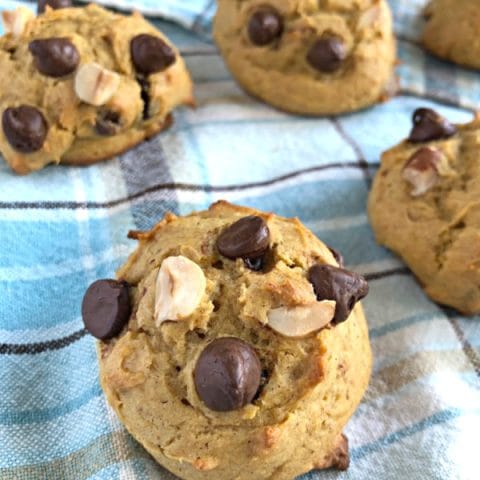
{"x": 89, "y": 84}
{"x": 451, "y": 31}
{"x": 243, "y": 349}
{"x": 309, "y": 57}
{"x": 425, "y": 206}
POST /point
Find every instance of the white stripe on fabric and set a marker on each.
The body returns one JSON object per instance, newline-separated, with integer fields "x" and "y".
{"x": 40, "y": 334}
{"x": 338, "y": 223}
{"x": 378, "y": 266}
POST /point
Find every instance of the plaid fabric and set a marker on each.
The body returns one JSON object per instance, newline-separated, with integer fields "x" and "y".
{"x": 64, "y": 227}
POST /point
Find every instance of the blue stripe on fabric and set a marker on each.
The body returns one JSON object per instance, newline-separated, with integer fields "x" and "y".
{"x": 51, "y": 301}
{"x": 61, "y": 238}
{"x": 48, "y": 414}
{"x": 29, "y": 444}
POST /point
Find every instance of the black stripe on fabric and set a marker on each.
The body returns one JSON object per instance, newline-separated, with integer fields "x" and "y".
{"x": 59, "y": 343}
{"x": 196, "y": 24}
{"x": 143, "y": 169}
{"x": 435, "y": 97}
{"x": 349, "y": 140}
{"x": 40, "y": 347}
{"x": 387, "y": 273}
{"x": 472, "y": 355}
{"x": 176, "y": 186}
{"x": 412, "y": 41}
{"x": 199, "y": 53}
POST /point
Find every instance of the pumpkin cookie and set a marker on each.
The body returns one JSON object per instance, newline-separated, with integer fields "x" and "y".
{"x": 89, "y": 84}
{"x": 425, "y": 206}
{"x": 233, "y": 345}
{"x": 309, "y": 57}
{"x": 451, "y": 31}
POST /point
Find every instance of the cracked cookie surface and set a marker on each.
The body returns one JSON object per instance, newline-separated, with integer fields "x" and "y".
{"x": 166, "y": 378}
{"x": 451, "y": 31}
{"x": 308, "y": 56}
{"x": 425, "y": 206}
{"x": 81, "y": 74}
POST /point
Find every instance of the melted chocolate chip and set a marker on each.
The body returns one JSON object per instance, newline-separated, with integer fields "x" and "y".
{"x": 108, "y": 123}
{"x": 249, "y": 238}
{"x": 151, "y": 54}
{"x": 55, "y": 4}
{"x": 327, "y": 54}
{"x": 429, "y": 125}
{"x": 338, "y": 256}
{"x": 145, "y": 95}
{"x": 54, "y": 57}
{"x": 264, "y": 27}
{"x": 25, "y": 128}
{"x": 255, "y": 264}
{"x": 343, "y": 286}
{"x": 106, "y": 308}
{"x": 228, "y": 374}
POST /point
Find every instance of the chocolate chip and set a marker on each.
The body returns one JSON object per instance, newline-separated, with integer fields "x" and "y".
{"x": 151, "y": 54}
{"x": 343, "y": 286}
{"x": 106, "y": 308}
{"x": 429, "y": 125}
{"x": 264, "y": 27}
{"x": 108, "y": 123}
{"x": 264, "y": 378}
{"x": 55, "y": 4}
{"x": 249, "y": 238}
{"x": 145, "y": 95}
{"x": 54, "y": 57}
{"x": 255, "y": 264}
{"x": 25, "y": 128}
{"x": 327, "y": 54}
{"x": 227, "y": 375}
{"x": 337, "y": 255}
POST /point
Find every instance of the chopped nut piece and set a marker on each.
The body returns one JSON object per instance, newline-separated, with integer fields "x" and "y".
{"x": 15, "y": 21}
{"x": 302, "y": 320}
{"x": 95, "y": 85}
{"x": 369, "y": 17}
{"x": 421, "y": 170}
{"x": 180, "y": 287}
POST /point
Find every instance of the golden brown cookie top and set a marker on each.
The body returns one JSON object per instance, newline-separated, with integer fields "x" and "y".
{"x": 81, "y": 74}
{"x": 425, "y": 206}
{"x": 263, "y": 285}
{"x": 307, "y": 56}
{"x": 451, "y": 30}
{"x": 303, "y": 36}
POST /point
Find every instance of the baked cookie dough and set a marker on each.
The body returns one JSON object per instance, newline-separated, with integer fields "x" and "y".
{"x": 425, "y": 206}
{"x": 233, "y": 346}
{"x": 309, "y": 57}
{"x": 80, "y": 85}
{"x": 451, "y": 31}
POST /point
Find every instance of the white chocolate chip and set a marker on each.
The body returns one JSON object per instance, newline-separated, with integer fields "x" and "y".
{"x": 421, "y": 170}
{"x": 96, "y": 85}
{"x": 179, "y": 290}
{"x": 302, "y": 320}
{"x": 15, "y": 21}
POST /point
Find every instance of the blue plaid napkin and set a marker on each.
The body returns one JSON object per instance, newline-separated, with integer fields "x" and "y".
{"x": 64, "y": 227}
